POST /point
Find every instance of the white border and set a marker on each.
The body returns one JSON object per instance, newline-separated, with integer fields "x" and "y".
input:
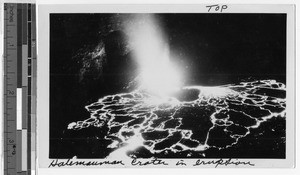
{"x": 152, "y": 171}
{"x": 43, "y": 64}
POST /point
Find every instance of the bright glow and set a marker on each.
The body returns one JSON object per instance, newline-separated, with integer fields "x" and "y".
{"x": 160, "y": 77}
{"x": 213, "y": 91}
{"x": 157, "y": 74}
{"x": 129, "y": 145}
{"x": 216, "y": 92}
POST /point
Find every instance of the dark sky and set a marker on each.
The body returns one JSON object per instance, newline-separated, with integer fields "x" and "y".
{"x": 225, "y": 47}
{"x": 213, "y": 48}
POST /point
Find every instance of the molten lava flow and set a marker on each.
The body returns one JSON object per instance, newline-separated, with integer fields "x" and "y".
{"x": 215, "y": 117}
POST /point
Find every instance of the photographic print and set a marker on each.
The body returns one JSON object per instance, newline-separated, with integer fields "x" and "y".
{"x": 148, "y": 88}
{"x": 167, "y": 85}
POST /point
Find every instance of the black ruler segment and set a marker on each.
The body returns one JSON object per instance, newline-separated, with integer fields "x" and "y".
{"x": 29, "y": 38}
{"x": 29, "y": 71}
{"x": 19, "y": 49}
{"x": 24, "y": 25}
{"x": 29, "y": 12}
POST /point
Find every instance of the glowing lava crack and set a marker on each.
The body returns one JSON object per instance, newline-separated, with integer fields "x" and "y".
{"x": 196, "y": 119}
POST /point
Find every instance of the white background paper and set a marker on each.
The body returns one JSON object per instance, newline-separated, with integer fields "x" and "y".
{"x": 177, "y": 170}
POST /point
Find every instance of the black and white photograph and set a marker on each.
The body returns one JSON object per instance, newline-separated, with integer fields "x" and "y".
{"x": 165, "y": 86}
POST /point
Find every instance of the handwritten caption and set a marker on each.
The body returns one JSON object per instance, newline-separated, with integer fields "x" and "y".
{"x": 151, "y": 162}
{"x": 216, "y": 8}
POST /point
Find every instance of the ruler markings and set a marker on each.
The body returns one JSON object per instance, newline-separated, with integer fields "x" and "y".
{"x": 19, "y": 77}
{"x": 19, "y": 90}
{"x": 9, "y": 101}
{"x": 17, "y": 54}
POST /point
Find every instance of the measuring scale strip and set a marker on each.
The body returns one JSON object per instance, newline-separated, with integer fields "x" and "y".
{"x": 19, "y": 88}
